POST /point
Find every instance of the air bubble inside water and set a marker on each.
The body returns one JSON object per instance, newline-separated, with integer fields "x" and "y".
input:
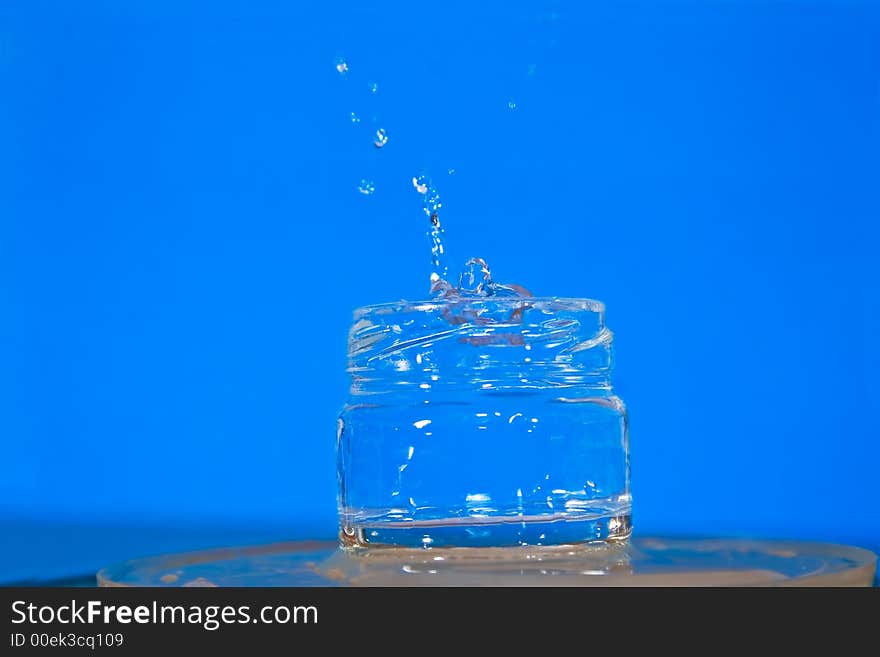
{"x": 341, "y": 66}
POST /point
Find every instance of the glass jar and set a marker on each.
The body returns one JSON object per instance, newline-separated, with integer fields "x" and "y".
{"x": 482, "y": 422}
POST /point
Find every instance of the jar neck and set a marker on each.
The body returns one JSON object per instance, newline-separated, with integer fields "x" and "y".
{"x": 586, "y": 387}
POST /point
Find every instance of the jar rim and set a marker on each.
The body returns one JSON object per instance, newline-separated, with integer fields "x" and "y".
{"x": 583, "y": 304}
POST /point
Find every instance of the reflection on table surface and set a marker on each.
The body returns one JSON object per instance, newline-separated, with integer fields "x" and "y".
{"x": 644, "y": 561}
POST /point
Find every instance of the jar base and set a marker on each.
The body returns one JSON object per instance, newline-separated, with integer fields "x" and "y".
{"x": 506, "y": 532}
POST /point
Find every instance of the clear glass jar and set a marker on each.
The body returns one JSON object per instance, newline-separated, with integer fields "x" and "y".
{"x": 482, "y": 422}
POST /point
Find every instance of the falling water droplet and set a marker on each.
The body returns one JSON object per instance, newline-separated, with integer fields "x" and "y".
{"x": 366, "y": 187}
{"x": 421, "y": 184}
{"x": 341, "y": 66}
{"x": 511, "y": 105}
{"x": 381, "y": 138}
{"x": 373, "y": 87}
{"x": 431, "y": 207}
{"x": 355, "y": 118}
{"x": 450, "y": 171}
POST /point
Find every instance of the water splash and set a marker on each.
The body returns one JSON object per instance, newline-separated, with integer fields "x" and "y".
{"x": 475, "y": 280}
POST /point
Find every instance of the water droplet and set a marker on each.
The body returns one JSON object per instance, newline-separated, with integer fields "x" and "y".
{"x": 450, "y": 171}
{"x": 381, "y": 138}
{"x": 366, "y": 187}
{"x": 373, "y": 87}
{"x": 341, "y": 66}
{"x": 511, "y": 105}
{"x": 431, "y": 208}
{"x": 432, "y": 205}
{"x": 421, "y": 184}
{"x": 355, "y": 118}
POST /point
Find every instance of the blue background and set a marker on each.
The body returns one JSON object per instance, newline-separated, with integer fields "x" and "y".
{"x": 182, "y": 242}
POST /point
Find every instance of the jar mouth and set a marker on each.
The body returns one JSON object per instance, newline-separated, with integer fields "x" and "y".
{"x": 488, "y": 343}
{"x": 568, "y": 304}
